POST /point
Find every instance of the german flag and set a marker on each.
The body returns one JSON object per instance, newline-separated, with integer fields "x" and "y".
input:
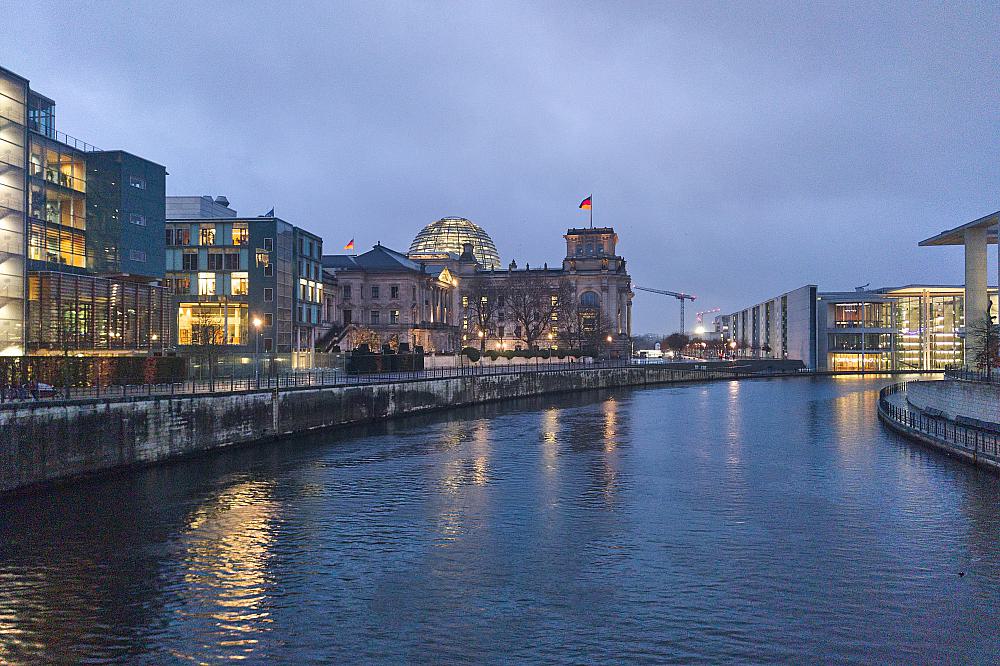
{"x": 349, "y": 246}
{"x": 586, "y": 204}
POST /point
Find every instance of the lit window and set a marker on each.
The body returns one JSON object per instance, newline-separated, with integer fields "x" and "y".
{"x": 240, "y": 284}
{"x": 137, "y": 219}
{"x": 393, "y": 316}
{"x": 465, "y": 301}
{"x": 207, "y": 236}
{"x": 206, "y": 284}
{"x": 241, "y": 235}
{"x": 263, "y": 258}
{"x": 269, "y": 319}
{"x": 137, "y": 182}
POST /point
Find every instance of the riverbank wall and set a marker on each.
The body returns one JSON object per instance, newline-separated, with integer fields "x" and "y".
{"x": 41, "y": 442}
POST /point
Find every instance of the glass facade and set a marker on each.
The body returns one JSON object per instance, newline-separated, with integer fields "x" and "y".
{"x": 212, "y": 323}
{"x": 449, "y": 234}
{"x": 13, "y": 140}
{"x": 84, "y": 313}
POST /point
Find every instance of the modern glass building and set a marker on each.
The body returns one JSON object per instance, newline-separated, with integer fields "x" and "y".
{"x": 449, "y": 235}
{"x": 227, "y": 272}
{"x": 915, "y": 327}
{"x": 68, "y": 207}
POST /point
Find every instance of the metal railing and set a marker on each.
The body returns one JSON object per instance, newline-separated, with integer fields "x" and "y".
{"x": 977, "y": 442}
{"x": 331, "y": 378}
{"x": 970, "y": 375}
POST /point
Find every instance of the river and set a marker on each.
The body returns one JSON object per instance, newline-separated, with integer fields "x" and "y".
{"x": 754, "y": 521}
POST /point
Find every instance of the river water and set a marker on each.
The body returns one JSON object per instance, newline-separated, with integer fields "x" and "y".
{"x": 755, "y": 521}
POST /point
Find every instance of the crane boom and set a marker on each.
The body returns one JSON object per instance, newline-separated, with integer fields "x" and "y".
{"x": 680, "y": 296}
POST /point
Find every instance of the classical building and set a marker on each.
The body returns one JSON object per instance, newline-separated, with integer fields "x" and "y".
{"x": 914, "y": 327}
{"x": 81, "y": 238}
{"x": 244, "y": 283}
{"x": 384, "y": 297}
{"x": 450, "y": 291}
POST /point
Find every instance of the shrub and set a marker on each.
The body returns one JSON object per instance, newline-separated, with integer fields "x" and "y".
{"x": 509, "y": 354}
{"x": 472, "y": 354}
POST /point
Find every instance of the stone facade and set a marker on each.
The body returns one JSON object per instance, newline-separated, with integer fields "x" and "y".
{"x": 445, "y": 301}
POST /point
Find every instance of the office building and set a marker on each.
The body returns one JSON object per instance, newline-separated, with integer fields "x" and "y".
{"x": 914, "y": 327}
{"x": 81, "y": 237}
{"x": 245, "y": 283}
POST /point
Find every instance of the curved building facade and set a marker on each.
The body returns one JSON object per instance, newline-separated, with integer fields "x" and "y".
{"x": 449, "y": 234}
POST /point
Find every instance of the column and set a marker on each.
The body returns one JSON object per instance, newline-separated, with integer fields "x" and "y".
{"x": 976, "y": 298}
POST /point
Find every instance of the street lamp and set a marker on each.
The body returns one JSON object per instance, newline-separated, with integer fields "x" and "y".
{"x": 256, "y": 350}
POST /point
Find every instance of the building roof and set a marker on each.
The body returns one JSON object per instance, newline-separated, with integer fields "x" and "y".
{"x": 956, "y": 236}
{"x": 449, "y": 234}
{"x": 379, "y": 258}
{"x": 590, "y": 230}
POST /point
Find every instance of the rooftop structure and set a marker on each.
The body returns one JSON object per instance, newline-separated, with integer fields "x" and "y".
{"x": 449, "y": 234}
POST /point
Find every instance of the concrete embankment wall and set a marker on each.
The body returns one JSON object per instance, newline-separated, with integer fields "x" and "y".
{"x": 957, "y": 398}
{"x": 41, "y": 442}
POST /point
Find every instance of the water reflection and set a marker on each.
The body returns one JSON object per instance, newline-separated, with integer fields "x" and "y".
{"x": 224, "y": 555}
{"x": 730, "y": 522}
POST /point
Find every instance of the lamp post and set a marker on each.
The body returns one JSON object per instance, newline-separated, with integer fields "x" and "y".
{"x": 256, "y": 350}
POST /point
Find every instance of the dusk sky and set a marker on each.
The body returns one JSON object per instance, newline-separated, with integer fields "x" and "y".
{"x": 739, "y": 151}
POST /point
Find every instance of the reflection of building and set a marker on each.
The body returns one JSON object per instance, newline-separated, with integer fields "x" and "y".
{"x": 69, "y": 212}
{"x": 463, "y": 297}
{"x": 893, "y": 328}
{"x": 227, "y": 271}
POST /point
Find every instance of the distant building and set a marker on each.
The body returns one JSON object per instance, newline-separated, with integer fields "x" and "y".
{"x": 915, "y": 327}
{"x": 81, "y": 238}
{"x": 445, "y": 296}
{"x": 400, "y": 300}
{"x": 226, "y": 272}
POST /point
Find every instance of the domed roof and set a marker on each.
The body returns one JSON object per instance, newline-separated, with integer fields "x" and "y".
{"x": 449, "y": 234}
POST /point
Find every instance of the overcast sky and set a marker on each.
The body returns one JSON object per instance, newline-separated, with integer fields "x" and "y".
{"x": 739, "y": 150}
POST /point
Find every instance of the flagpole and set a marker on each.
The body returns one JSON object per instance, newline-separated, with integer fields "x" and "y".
{"x": 591, "y": 211}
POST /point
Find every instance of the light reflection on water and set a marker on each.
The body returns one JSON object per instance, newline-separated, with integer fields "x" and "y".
{"x": 737, "y": 521}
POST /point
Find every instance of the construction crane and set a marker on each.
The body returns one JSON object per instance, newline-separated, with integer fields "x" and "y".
{"x": 699, "y": 319}
{"x": 676, "y": 294}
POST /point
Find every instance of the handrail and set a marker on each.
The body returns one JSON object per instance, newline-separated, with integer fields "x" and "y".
{"x": 970, "y": 375}
{"x": 966, "y": 438}
{"x": 332, "y": 378}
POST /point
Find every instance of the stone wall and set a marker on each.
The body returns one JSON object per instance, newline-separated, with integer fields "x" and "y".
{"x": 45, "y": 441}
{"x": 957, "y": 398}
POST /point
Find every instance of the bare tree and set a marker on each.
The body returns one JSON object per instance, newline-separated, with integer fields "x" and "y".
{"x": 482, "y": 308}
{"x": 984, "y": 353}
{"x": 531, "y": 300}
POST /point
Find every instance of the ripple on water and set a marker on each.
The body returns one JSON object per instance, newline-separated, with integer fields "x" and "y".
{"x": 732, "y": 522}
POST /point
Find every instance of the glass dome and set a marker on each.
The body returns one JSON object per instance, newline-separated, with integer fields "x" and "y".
{"x": 449, "y": 234}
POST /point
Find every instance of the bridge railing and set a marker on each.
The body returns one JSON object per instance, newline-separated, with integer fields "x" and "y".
{"x": 330, "y": 378}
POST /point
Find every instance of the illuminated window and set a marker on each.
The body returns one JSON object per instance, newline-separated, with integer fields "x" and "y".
{"x": 240, "y": 284}
{"x": 206, "y": 284}
{"x": 137, "y": 182}
{"x": 206, "y": 236}
{"x": 212, "y": 324}
{"x": 137, "y": 219}
{"x": 393, "y": 316}
{"x": 241, "y": 234}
